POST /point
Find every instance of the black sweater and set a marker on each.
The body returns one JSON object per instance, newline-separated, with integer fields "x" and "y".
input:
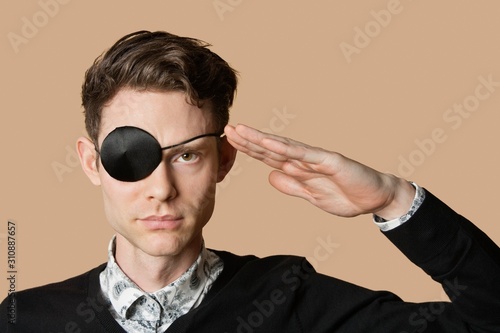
{"x": 284, "y": 294}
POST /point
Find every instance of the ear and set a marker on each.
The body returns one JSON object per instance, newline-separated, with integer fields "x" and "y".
{"x": 227, "y": 156}
{"x": 88, "y": 155}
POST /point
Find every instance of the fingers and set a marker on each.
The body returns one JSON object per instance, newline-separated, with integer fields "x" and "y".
{"x": 252, "y": 150}
{"x": 266, "y": 147}
{"x": 259, "y": 141}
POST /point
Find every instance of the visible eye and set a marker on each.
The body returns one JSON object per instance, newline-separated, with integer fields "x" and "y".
{"x": 187, "y": 157}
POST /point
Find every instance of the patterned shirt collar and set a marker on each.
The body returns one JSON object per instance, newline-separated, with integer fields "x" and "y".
{"x": 139, "y": 311}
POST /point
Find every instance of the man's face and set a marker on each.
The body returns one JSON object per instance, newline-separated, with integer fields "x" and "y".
{"x": 164, "y": 213}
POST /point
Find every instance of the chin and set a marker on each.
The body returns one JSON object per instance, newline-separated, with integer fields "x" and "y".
{"x": 161, "y": 245}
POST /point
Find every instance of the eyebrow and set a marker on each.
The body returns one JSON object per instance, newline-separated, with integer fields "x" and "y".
{"x": 182, "y": 145}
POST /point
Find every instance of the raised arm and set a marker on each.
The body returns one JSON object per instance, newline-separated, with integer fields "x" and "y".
{"x": 448, "y": 247}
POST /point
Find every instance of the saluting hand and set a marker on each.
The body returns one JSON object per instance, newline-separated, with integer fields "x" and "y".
{"x": 328, "y": 180}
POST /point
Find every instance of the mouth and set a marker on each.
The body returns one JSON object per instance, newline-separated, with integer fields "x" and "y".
{"x": 164, "y": 222}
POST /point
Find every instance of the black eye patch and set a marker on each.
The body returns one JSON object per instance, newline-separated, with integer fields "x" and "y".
{"x": 130, "y": 153}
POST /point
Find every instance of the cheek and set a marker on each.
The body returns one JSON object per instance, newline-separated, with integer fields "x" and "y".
{"x": 199, "y": 188}
{"x": 118, "y": 198}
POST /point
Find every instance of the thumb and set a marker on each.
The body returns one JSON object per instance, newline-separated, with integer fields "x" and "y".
{"x": 287, "y": 184}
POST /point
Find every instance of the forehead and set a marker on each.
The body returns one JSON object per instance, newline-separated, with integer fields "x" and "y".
{"x": 165, "y": 114}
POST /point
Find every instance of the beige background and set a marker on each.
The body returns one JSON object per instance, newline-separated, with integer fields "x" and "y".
{"x": 395, "y": 90}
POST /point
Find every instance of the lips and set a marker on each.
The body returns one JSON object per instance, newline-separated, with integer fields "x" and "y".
{"x": 164, "y": 222}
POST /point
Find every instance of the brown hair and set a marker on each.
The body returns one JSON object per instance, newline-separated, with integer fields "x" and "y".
{"x": 159, "y": 61}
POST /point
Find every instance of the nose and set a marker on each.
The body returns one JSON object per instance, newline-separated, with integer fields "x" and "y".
{"x": 160, "y": 185}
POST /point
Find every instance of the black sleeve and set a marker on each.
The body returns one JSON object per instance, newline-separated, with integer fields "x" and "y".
{"x": 446, "y": 246}
{"x": 455, "y": 253}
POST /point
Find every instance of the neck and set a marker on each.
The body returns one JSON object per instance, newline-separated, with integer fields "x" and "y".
{"x": 161, "y": 270}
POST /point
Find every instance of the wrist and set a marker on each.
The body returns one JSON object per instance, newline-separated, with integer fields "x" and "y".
{"x": 402, "y": 199}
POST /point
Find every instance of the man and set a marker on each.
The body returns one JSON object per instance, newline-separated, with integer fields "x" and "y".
{"x": 156, "y": 108}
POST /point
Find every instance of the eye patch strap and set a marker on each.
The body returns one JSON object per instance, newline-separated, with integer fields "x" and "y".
{"x": 192, "y": 139}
